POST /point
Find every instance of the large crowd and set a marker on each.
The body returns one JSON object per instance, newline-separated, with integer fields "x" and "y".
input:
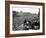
{"x": 35, "y": 24}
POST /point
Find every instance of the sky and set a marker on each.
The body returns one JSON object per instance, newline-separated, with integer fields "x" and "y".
{"x": 23, "y": 8}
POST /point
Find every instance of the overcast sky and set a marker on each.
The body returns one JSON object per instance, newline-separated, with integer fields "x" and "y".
{"x": 31, "y": 10}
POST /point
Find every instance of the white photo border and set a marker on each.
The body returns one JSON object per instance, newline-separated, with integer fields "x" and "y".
{"x": 28, "y": 31}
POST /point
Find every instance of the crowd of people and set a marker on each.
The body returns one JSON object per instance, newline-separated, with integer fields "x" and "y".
{"x": 35, "y": 24}
{"x": 26, "y": 23}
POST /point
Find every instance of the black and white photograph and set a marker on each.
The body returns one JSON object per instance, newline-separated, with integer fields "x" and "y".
{"x": 25, "y": 18}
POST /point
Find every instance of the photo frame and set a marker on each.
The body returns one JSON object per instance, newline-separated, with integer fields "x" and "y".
{"x": 24, "y": 18}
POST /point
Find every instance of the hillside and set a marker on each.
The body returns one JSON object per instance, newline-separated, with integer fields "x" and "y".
{"x": 20, "y": 17}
